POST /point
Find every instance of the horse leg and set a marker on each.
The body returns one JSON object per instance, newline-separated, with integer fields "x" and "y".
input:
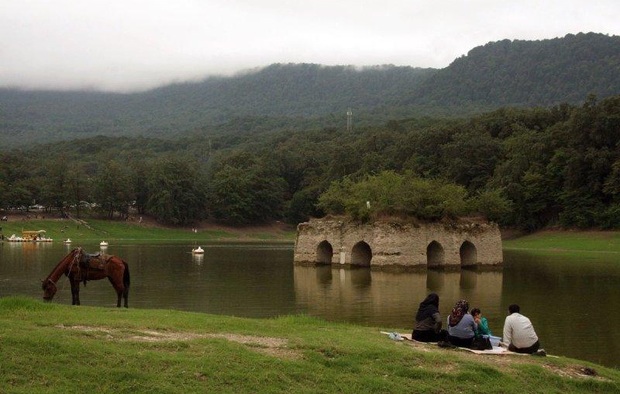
{"x": 126, "y": 282}
{"x": 120, "y": 289}
{"x": 126, "y": 296}
{"x": 75, "y": 291}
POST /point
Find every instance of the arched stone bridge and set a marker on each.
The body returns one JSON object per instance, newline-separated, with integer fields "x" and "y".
{"x": 387, "y": 244}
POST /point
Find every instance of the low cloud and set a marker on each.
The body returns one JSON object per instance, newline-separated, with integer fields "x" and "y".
{"x": 136, "y": 45}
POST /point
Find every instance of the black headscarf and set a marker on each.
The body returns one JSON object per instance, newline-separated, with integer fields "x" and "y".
{"x": 428, "y": 307}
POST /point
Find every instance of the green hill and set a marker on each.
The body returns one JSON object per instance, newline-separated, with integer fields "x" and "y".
{"x": 302, "y": 96}
{"x": 528, "y": 73}
{"x": 292, "y": 93}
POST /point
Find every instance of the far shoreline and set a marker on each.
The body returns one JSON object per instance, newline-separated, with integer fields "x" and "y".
{"x": 148, "y": 230}
{"x": 140, "y": 228}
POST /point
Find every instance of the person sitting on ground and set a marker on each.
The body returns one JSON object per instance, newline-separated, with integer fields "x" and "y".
{"x": 461, "y": 325}
{"x": 481, "y": 322}
{"x": 428, "y": 321}
{"x": 519, "y": 333}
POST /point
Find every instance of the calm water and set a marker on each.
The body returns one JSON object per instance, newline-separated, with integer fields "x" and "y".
{"x": 573, "y": 305}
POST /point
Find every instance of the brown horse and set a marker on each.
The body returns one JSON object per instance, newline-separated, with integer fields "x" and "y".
{"x": 82, "y": 267}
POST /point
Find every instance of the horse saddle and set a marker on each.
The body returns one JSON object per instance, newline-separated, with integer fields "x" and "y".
{"x": 94, "y": 261}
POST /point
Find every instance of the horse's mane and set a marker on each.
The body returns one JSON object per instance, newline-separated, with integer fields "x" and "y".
{"x": 61, "y": 267}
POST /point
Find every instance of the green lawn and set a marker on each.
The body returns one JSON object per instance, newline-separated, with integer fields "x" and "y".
{"x": 567, "y": 242}
{"x": 56, "y": 348}
{"x": 97, "y": 230}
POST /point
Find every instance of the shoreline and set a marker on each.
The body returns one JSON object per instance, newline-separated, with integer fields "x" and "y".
{"x": 546, "y": 240}
{"x": 77, "y": 230}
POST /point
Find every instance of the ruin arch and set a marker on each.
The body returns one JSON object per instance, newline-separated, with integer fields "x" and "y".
{"x": 394, "y": 244}
{"x": 361, "y": 254}
{"x": 434, "y": 254}
{"x": 324, "y": 253}
{"x": 468, "y": 254}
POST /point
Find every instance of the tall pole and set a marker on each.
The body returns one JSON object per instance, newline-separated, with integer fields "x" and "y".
{"x": 349, "y": 120}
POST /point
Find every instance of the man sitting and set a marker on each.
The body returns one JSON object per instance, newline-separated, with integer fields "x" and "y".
{"x": 519, "y": 333}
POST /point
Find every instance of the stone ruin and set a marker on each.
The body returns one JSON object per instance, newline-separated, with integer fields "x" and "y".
{"x": 391, "y": 244}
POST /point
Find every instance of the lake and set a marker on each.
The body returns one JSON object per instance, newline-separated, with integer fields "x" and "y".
{"x": 572, "y": 303}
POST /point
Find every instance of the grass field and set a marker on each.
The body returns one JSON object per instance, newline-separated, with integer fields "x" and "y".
{"x": 97, "y": 230}
{"x": 569, "y": 242}
{"x": 56, "y": 348}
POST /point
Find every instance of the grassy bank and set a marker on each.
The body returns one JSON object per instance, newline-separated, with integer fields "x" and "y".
{"x": 58, "y": 348}
{"x": 97, "y": 230}
{"x": 567, "y": 242}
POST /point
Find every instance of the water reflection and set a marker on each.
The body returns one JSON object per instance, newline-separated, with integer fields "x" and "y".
{"x": 260, "y": 280}
{"x": 571, "y": 303}
{"x": 384, "y": 298}
{"x": 357, "y": 278}
{"x": 198, "y": 258}
{"x": 324, "y": 275}
{"x": 469, "y": 279}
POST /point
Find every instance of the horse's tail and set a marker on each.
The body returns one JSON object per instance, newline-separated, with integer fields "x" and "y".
{"x": 126, "y": 280}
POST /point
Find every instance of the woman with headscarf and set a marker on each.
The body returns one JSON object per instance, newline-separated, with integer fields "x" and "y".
{"x": 428, "y": 321}
{"x": 461, "y": 325}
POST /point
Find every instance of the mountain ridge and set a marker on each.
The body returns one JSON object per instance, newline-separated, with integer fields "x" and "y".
{"x": 501, "y": 73}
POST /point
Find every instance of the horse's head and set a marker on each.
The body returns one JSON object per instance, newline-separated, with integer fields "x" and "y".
{"x": 49, "y": 289}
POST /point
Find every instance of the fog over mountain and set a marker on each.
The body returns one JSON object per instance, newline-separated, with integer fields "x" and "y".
{"x": 138, "y": 45}
{"x": 310, "y": 96}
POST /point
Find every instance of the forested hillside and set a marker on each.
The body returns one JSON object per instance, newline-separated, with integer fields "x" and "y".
{"x": 522, "y": 167}
{"x": 294, "y": 93}
{"x": 271, "y": 144}
{"x": 528, "y": 73}
{"x": 310, "y": 96}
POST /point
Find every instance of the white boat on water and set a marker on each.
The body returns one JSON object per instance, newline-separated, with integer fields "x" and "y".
{"x": 103, "y": 243}
{"x": 198, "y": 250}
{"x": 68, "y": 240}
{"x": 29, "y": 236}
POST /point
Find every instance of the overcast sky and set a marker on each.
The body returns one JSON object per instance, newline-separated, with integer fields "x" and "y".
{"x": 126, "y": 45}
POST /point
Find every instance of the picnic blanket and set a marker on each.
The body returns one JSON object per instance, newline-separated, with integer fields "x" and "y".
{"x": 497, "y": 350}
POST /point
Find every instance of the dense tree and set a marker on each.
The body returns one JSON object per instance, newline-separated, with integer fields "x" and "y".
{"x": 78, "y": 188}
{"x": 392, "y": 194}
{"x": 492, "y": 204}
{"x": 113, "y": 189}
{"x": 470, "y": 158}
{"x": 587, "y": 156}
{"x": 522, "y": 167}
{"x": 244, "y": 191}
{"x": 420, "y": 151}
{"x": 19, "y": 195}
{"x": 52, "y": 182}
{"x": 139, "y": 180}
{"x": 176, "y": 192}
{"x": 527, "y": 73}
{"x": 526, "y": 178}
{"x": 303, "y": 205}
